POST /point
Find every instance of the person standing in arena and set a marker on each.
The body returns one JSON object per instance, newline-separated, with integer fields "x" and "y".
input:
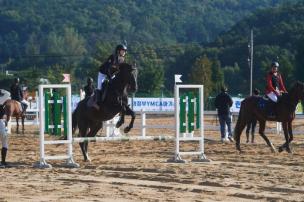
{"x": 3, "y": 138}
{"x": 223, "y": 102}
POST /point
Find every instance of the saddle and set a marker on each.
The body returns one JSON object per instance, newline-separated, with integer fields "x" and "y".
{"x": 267, "y": 106}
{"x": 92, "y": 101}
{"x": 97, "y": 98}
{"x": 22, "y": 107}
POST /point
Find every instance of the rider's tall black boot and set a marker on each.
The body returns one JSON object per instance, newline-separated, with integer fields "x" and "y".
{"x": 271, "y": 109}
{"x": 24, "y": 107}
{"x": 104, "y": 90}
{"x": 98, "y": 96}
{"x": 3, "y": 156}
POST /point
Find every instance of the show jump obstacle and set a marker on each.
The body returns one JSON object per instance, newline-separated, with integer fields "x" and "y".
{"x": 44, "y": 127}
{"x": 188, "y": 120}
{"x": 189, "y": 112}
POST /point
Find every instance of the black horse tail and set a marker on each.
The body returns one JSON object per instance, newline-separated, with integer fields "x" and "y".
{"x": 238, "y": 127}
{"x": 74, "y": 119}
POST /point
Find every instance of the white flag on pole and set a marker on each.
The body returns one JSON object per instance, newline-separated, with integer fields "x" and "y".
{"x": 177, "y": 78}
{"x": 66, "y": 78}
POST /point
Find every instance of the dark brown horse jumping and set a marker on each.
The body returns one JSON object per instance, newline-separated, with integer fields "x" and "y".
{"x": 12, "y": 108}
{"x": 89, "y": 119}
{"x": 284, "y": 110}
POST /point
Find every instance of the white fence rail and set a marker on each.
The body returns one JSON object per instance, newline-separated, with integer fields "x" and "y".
{"x": 34, "y": 120}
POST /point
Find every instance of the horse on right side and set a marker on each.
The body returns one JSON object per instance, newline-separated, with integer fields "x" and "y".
{"x": 254, "y": 107}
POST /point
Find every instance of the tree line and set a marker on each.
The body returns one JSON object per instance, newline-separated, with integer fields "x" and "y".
{"x": 206, "y": 41}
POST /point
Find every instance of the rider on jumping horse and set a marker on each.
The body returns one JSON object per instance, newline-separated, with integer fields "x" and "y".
{"x": 17, "y": 94}
{"x": 106, "y": 69}
{"x": 275, "y": 86}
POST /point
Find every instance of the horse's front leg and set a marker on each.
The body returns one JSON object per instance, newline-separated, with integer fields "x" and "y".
{"x": 121, "y": 119}
{"x": 17, "y": 121}
{"x": 22, "y": 122}
{"x": 133, "y": 115}
{"x": 262, "y": 133}
{"x": 287, "y": 128}
{"x": 83, "y": 128}
{"x": 239, "y": 127}
{"x": 290, "y": 131}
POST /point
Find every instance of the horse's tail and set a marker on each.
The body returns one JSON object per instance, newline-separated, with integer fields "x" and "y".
{"x": 239, "y": 124}
{"x": 74, "y": 119}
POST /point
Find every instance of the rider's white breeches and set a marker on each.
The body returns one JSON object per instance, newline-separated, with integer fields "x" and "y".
{"x": 100, "y": 80}
{"x": 273, "y": 96}
{"x": 3, "y": 134}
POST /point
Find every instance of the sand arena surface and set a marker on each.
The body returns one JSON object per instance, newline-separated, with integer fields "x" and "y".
{"x": 137, "y": 171}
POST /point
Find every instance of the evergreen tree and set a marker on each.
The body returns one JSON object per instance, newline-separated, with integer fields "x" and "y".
{"x": 201, "y": 73}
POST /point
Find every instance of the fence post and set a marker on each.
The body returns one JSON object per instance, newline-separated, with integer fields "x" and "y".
{"x": 182, "y": 114}
{"x": 65, "y": 116}
{"x": 190, "y": 114}
{"x": 46, "y": 112}
{"x": 198, "y": 109}
{"x": 143, "y": 123}
{"x": 56, "y": 114}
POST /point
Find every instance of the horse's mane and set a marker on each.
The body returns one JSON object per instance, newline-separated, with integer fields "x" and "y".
{"x": 294, "y": 90}
{"x": 124, "y": 68}
{"x": 291, "y": 98}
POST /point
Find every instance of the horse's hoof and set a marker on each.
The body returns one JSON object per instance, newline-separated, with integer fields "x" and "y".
{"x": 118, "y": 124}
{"x": 288, "y": 150}
{"x": 127, "y": 129}
{"x": 240, "y": 151}
{"x": 87, "y": 160}
{"x": 281, "y": 149}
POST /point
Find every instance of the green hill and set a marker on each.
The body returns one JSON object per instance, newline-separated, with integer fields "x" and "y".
{"x": 278, "y": 35}
{"x": 44, "y": 38}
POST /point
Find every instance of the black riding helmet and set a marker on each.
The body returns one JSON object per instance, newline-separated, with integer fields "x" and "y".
{"x": 89, "y": 80}
{"x": 17, "y": 80}
{"x": 120, "y": 47}
{"x": 224, "y": 89}
{"x": 275, "y": 64}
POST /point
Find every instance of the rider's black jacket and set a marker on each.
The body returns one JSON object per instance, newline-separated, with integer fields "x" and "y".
{"x": 223, "y": 102}
{"x": 106, "y": 66}
{"x": 16, "y": 92}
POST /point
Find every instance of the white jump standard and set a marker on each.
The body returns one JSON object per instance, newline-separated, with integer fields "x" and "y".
{"x": 69, "y": 156}
{"x": 189, "y": 110}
